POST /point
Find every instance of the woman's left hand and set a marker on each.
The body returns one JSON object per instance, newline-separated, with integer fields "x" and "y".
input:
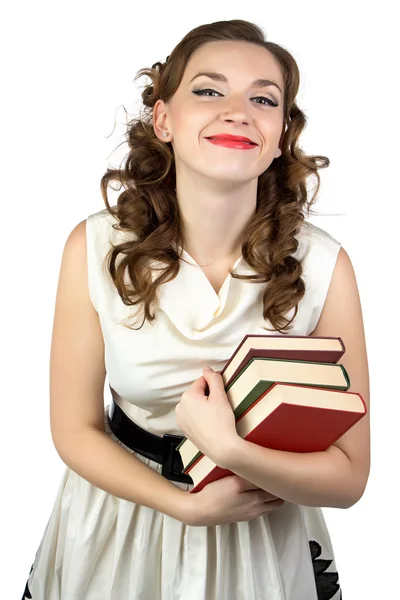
{"x": 207, "y": 422}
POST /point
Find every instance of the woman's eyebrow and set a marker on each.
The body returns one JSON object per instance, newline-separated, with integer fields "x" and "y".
{"x": 220, "y": 77}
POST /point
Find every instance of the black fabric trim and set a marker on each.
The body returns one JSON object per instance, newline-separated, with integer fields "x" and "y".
{"x": 327, "y": 583}
{"x": 27, "y": 593}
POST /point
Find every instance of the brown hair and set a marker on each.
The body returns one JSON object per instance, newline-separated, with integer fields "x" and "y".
{"x": 148, "y": 205}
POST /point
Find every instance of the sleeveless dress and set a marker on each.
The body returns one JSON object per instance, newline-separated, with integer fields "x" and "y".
{"x": 99, "y": 547}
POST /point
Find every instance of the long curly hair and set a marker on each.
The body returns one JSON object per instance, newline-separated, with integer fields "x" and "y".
{"x": 148, "y": 205}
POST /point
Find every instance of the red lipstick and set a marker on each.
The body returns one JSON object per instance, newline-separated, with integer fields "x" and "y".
{"x": 233, "y": 138}
{"x": 232, "y": 144}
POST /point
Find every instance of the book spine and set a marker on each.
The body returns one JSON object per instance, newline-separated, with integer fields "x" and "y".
{"x": 346, "y": 376}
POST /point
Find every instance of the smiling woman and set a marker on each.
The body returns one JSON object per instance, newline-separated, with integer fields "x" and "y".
{"x": 214, "y": 239}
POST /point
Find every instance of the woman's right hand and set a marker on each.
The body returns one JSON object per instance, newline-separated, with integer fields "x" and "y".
{"x": 228, "y": 500}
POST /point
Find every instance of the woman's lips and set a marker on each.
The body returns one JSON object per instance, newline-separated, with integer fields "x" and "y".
{"x": 232, "y": 144}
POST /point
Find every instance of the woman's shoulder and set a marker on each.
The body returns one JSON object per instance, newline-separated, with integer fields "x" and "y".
{"x": 313, "y": 239}
{"x": 318, "y": 251}
{"x": 102, "y": 219}
{"x": 311, "y": 231}
{"x": 102, "y": 227}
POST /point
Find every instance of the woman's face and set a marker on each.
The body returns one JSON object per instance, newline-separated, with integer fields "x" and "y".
{"x": 229, "y": 103}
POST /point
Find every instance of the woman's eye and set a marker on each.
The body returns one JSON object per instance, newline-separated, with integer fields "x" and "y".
{"x": 268, "y": 100}
{"x": 200, "y": 92}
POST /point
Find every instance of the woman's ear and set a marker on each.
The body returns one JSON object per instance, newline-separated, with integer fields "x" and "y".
{"x": 160, "y": 124}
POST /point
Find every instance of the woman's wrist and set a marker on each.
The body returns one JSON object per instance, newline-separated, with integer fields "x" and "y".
{"x": 186, "y": 507}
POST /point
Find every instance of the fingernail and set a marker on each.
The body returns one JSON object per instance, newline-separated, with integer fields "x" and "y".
{"x": 207, "y": 368}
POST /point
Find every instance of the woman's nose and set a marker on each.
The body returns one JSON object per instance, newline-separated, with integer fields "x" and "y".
{"x": 236, "y": 109}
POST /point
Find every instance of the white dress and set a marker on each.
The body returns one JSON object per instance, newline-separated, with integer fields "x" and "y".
{"x": 99, "y": 547}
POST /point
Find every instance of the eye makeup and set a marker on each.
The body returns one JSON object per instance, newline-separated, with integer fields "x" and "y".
{"x": 269, "y": 102}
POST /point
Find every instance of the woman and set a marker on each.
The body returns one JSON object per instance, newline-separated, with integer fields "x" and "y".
{"x": 212, "y": 234}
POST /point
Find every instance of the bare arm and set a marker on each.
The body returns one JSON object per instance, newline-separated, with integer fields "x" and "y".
{"x": 77, "y": 376}
{"x": 310, "y": 479}
{"x": 338, "y": 476}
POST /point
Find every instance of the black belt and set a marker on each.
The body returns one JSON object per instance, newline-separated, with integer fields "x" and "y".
{"x": 160, "y": 449}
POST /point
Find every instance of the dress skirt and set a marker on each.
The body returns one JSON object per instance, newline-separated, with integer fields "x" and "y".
{"x": 100, "y": 547}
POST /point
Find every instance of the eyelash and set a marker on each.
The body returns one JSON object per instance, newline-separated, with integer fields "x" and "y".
{"x": 271, "y": 103}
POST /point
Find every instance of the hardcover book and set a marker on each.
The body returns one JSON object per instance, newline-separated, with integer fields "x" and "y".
{"x": 287, "y": 417}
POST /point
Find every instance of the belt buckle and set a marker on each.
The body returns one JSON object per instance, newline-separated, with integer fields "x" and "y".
{"x": 172, "y": 465}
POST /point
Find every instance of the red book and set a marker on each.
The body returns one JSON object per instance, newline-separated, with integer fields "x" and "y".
{"x": 292, "y": 418}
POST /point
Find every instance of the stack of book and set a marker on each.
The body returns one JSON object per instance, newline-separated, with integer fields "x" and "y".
{"x": 288, "y": 393}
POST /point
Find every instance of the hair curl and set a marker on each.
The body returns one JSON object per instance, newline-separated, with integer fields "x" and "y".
{"x": 148, "y": 205}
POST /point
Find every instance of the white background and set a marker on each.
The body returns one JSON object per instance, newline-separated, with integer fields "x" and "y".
{"x": 67, "y": 73}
